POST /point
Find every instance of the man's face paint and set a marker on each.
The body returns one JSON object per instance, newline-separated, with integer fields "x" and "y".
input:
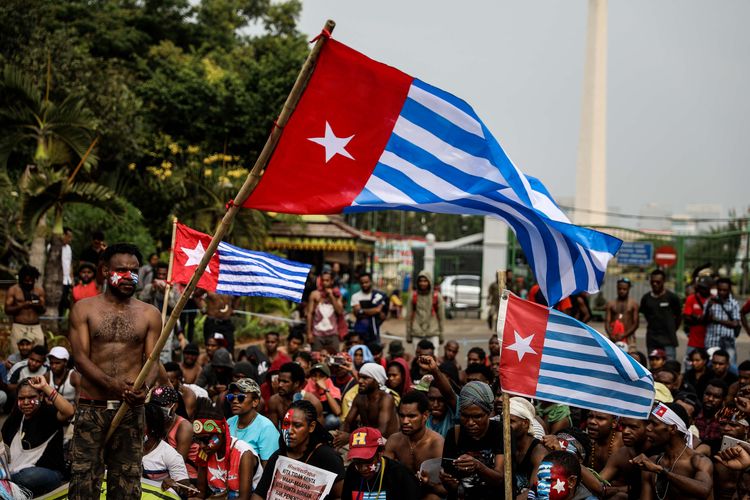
{"x": 286, "y": 426}
{"x": 553, "y": 483}
{"x": 115, "y": 277}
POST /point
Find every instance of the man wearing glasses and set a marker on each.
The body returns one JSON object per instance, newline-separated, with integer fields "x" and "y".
{"x": 247, "y": 424}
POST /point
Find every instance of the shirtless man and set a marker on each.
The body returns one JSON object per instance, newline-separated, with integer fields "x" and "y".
{"x": 624, "y": 476}
{"x": 415, "y": 443}
{"x": 373, "y": 406}
{"x": 111, "y": 335}
{"x": 218, "y": 309}
{"x": 605, "y": 439}
{"x": 25, "y": 302}
{"x": 291, "y": 381}
{"x": 734, "y": 424}
{"x": 622, "y": 315}
{"x": 190, "y": 367}
{"x": 323, "y": 310}
{"x": 678, "y": 472}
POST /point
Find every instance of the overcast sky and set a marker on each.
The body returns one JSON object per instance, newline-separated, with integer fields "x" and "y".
{"x": 678, "y": 72}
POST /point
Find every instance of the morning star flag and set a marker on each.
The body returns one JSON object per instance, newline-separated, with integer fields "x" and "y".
{"x": 366, "y": 136}
{"x": 236, "y": 271}
{"x": 550, "y": 356}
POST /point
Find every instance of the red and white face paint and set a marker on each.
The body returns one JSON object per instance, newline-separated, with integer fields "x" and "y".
{"x": 286, "y": 426}
{"x": 115, "y": 277}
{"x": 553, "y": 482}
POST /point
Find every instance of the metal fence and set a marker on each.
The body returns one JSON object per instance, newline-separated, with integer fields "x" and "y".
{"x": 726, "y": 252}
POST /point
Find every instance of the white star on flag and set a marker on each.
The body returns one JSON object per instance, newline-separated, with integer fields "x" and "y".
{"x": 559, "y": 486}
{"x": 522, "y": 346}
{"x": 195, "y": 255}
{"x": 334, "y": 145}
{"x": 115, "y": 279}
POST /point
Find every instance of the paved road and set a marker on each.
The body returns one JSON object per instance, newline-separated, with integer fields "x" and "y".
{"x": 470, "y": 332}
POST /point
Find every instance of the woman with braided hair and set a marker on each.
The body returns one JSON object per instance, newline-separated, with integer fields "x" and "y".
{"x": 225, "y": 464}
{"x": 303, "y": 439}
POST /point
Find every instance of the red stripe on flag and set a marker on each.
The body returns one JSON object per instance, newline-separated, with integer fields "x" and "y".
{"x": 522, "y": 345}
{"x": 189, "y": 247}
{"x": 335, "y": 136}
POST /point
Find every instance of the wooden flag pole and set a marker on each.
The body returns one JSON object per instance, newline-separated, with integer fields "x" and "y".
{"x": 243, "y": 194}
{"x": 507, "y": 450}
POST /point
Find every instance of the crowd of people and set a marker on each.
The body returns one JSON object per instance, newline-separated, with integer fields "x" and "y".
{"x": 402, "y": 419}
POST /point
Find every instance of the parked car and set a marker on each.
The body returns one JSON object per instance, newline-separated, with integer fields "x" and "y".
{"x": 462, "y": 291}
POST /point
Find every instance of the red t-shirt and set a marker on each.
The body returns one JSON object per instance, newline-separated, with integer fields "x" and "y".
{"x": 694, "y": 307}
{"x": 563, "y": 305}
{"x": 81, "y": 291}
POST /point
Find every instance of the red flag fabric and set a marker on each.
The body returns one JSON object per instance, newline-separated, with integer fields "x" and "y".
{"x": 189, "y": 247}
{"x": 330, "y": 147}
{"x": 522, "y": 345}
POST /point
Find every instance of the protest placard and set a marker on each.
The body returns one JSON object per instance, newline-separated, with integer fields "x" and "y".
{"x": 295, "y": 480}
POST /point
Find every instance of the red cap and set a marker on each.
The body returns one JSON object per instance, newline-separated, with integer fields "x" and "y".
{"x": 658, "y": 353}
{"x": 364, "y": 442}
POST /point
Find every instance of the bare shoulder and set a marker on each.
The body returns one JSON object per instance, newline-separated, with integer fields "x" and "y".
{"x": 700, "y": 461}
{"x": 395, "y": 440}
{"x": 88, "y": 304}
{"x": 433, "y": 436}
{"x": 145, "y": 308}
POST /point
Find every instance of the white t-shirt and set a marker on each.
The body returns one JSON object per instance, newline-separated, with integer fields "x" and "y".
{"x": 199, "y": 391}
{"x": 66, "y": 257}
{"x": 163, "y": 462}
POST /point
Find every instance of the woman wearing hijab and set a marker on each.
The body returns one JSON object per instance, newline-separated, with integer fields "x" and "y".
{"x": 399, "y": 379}
{"x": 474, "y": 447}
{"x": 360, "y": 355}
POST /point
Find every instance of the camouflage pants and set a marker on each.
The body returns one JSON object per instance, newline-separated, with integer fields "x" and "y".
{"x": 122, "y": 455}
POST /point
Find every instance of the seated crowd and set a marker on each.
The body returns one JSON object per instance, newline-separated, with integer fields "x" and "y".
{"x": 390, "y": 425}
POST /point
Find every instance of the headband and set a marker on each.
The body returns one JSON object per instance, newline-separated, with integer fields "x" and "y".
{"x": 669, "y": 417}
{"x": 207, "y": 426}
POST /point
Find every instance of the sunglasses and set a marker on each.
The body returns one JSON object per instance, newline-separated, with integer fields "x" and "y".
{"x": 207, "y": 440}
{"x": 239, "y": 397}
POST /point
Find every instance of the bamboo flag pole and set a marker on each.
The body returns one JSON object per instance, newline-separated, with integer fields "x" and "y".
{"x": 507, "y": 450}
{"x": 247, "y": 188}
{"x": 168, "y": 289}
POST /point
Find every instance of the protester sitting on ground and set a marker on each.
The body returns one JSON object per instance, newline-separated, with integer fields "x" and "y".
{"x": 559, "y": 477}
{"x": 442, "y": 398}
{"x": 706, "y": 421}
{"x": 247, "y": 424}
{"x": 63, "y": 379}
{"x": 33, "y": 366}
{"x": 213, "y": 342}
{"x": 328, "y": 394}
{"x": 190, "y": 367}
{"x": 734, "y": 423}
{"x": 189, "y": 393}
{"x": 216, "y": 375}
{"x": 396, "y": 350}
{"x": 24, "y": 346}
{"x": 699, "y": 373}
{"x": 424, "y": 348}
{"x": 479, "y": 372}
{"x": 226, "y": 465}
{"x": 606, "y": 439}
{"x": 360, "y": 354}
{"x": 178, "y": 431}
{"x": 370, "y": 471}
{"x": 529, "y": 450}
{"x": 291, "y": 381}
{"x": 374, "y": 406}
{"x": 399, "y": 378}
{"x": 304, "y": 440}
{"x": 475, "y": 447}
{"x": 161, "y": 462}
{"x": 678, "y": 472}
{"x": 34, "y": 431}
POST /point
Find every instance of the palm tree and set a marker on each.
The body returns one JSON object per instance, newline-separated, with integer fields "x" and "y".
{"x": 61, "y": 135}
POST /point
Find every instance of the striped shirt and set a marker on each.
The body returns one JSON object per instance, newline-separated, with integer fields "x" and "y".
{"x": 726, "y": 311}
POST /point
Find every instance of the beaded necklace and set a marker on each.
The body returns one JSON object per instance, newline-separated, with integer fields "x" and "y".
{"x": 592, "y": 460}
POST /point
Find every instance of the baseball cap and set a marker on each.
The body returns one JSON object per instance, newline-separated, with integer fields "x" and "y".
{"x": 658, "y": 353}
{"x": 662, "y": 393}
{"x": 364, "y": 443}
{"x": 25, "y": 338}
{"x": 321, "y": 367}
{"x": 59, "y": 352}
{"x": 245, "y": 386}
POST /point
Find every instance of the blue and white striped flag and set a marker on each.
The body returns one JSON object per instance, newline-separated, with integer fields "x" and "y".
{"x": 550, "y": 356}
{"x": 235, "y": 271}
{"x": 366, "y": 136}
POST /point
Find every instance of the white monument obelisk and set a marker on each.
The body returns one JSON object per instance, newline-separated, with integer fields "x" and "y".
{"x": 591, "y": 171}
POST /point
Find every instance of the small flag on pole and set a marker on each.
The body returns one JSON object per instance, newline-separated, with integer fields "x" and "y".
{"x": 387, "y": 140}
{"x": 547, "y": 355}
{"x": 236, "y": 271}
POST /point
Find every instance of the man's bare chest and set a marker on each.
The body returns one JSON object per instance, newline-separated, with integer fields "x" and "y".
{"x": 118, "y": 326}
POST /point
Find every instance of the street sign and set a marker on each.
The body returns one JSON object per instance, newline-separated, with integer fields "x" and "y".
{"x": 665, "y": 256}
{"x": 635, "y": 253}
